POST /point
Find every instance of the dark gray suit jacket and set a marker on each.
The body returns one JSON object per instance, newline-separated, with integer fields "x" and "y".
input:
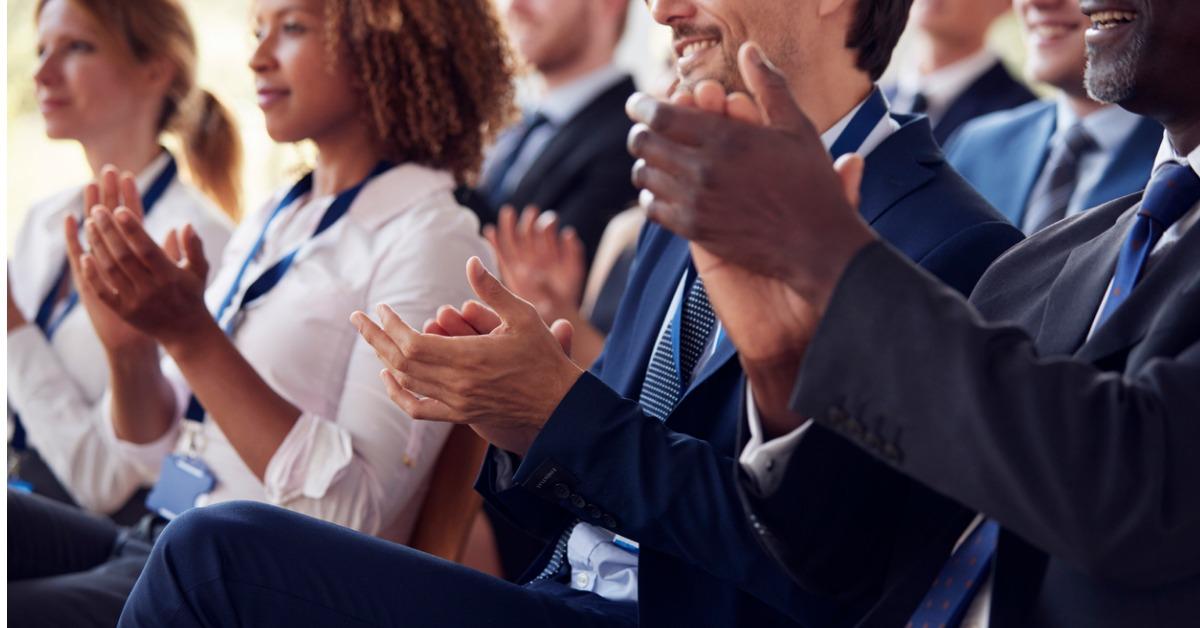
{"x": 1086, "y": 450}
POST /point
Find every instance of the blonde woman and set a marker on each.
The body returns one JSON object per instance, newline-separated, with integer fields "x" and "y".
{"x": 116, "y": 77}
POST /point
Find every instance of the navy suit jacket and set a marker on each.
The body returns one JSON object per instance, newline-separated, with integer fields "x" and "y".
{"x": 1003, "y": 155}
{"x": 996, "y": 90}
{"x": 671, "y": 485}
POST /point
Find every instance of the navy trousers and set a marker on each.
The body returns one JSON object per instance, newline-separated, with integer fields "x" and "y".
{"x": 249, "y": 564}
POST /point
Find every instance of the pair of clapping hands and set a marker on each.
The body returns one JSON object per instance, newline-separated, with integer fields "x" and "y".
{"x": 772, "y": 222}
{"x": 136, "y": 292}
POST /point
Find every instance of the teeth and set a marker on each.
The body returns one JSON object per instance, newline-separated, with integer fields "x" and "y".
{"x": 697, "y": 46}
{"x": 1051, "y": 31}
{"x": 1105, "y": 20}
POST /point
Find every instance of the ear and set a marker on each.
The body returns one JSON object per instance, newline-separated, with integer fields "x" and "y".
{"x": 159, "y": 73}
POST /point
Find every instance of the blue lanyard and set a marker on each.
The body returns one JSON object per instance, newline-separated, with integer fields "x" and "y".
{"x": 272, "y": 276}
{"x": 861, "y": 125}
{"x": 45, "y": 319}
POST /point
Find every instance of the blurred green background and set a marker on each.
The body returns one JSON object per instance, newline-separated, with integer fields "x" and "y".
{"x": 38, "y": 167}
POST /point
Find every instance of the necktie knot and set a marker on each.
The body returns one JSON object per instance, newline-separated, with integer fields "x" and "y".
{"x": 1173, "y": 190}
{"x": 1078, "y": 141}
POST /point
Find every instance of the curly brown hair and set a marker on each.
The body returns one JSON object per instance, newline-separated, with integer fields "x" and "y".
{"x": 436, "y": 76}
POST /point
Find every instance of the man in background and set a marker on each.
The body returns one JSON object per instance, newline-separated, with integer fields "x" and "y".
{"x": 1045, "y": 161}
{"x": 567, "y": 153}
{"x": 956, "y": 77}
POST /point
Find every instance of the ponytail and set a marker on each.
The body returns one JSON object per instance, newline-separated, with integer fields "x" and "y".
{"x": 212, "y": 149}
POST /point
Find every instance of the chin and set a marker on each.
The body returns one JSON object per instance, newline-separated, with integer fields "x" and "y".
{"x": 284, "y": 133}
{"x": 59, "y": 131}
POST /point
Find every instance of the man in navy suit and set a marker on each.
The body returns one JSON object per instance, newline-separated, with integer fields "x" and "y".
{"x": 1061, "y": 403}
{"x": 956, "y": 78}
{"x": 626, "y": 471}
{"x": 1048, "y": 160}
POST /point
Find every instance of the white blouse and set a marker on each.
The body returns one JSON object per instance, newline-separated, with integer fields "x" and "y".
{"x": 57, "y": 385}
{"x": 353, "y": 457}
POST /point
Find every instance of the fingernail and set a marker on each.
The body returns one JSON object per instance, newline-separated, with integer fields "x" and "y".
{"x": 640, "y": 106}
{"x": 645, "y": 199}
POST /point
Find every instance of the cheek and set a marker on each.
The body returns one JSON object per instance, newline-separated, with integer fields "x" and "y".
{"x": 98, "y": 90}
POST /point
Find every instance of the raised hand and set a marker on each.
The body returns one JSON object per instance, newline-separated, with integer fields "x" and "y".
{"x": 156, "y": 290}
{"x": 504, "y": 383}
{"x": 764, "y": 198}
{"x": 539, "y": 261}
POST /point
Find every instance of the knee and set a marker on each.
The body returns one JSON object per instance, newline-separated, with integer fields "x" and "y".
{"x": 202, "y": 534}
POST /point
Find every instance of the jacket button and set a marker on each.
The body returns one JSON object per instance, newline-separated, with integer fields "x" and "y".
{"x": 891, "y": 453}
{"x": 609, "y": 522}
{"x": 593, "y": 511}
{"x": 577, "y": 501}
{"x": 873, "y": 441}
{"x": 561, "y": 491}
{"x": 855, "y": 429}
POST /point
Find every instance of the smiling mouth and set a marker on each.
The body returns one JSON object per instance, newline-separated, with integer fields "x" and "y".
{"x": 1108, "y": 20}
{"x": 695, "y": 47}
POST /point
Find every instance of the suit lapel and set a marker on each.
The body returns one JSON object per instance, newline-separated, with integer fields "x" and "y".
{"x": 1077, "y": 291}
{"x": 656, "y": 296}
{"x": 1033, "y": 140}
{"x": 1129, "y": 170}
{"x": 898, "y": 166}
{"x": 1132, "y": 319}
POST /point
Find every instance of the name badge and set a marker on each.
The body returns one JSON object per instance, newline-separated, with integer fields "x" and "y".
{"x": 182, "y": 481}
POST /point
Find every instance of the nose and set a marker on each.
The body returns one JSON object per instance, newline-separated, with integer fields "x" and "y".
{"x": 667, "y": 12}
{"x": 263, "y": 60}
{"x": 49, "y": 71}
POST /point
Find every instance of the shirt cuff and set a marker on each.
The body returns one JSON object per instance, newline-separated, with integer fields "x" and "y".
{"x": 765, "y": 462}
{"x": 311, "y": 458}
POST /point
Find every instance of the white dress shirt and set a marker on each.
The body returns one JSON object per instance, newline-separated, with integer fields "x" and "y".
{"x": 56, "y": 385}
{"x": 597, "y": 563}
{"x": 943, "y": 86}
{"x": 559, "y": 105}
{"x": 1110, "y": 127}
{"x": 766, "y": 469}
{"x": 352, "y": 457}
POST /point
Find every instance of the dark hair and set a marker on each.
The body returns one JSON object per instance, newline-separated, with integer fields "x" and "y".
{"x": 436, "y": 76}
{"x": 877, "y": 27}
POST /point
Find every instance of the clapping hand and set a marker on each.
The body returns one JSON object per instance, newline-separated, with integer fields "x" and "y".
{"x": 539, "y": 261}
{"x": 156, "y": 291}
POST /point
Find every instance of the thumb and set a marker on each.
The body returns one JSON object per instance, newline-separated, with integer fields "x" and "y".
{"x": 563, "y": 332}
{"x": 193, "y": 250}
{"x": 510, "y": 307}
{"x": 850, "y": 170}
{"x": 770, "y": 89}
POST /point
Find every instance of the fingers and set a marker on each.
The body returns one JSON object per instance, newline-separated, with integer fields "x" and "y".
{"x": 130, "y": 196}
{"x": 480, "y": 317}
{"x": 741, "y": 107}
{"x": 710, "y": 96}
{"x": 452, "y": 323}
{"x": 116, "y": 264}
{"x": 850, "y": 169}
{"x": 193, "y": 250}
{"x": 431, "y": 327}
{"x": 663, "y": 185}
{"x": 172, "y": 248}
{"x": 563, "y": 332}
{"x": 508, "y": 306}
{"x": 770, "y": 89}
{"x": 667, "y": 214}
{"x": 385, "y": 348}
{"x": 90, "y": 274}
{"x": 91, "y": 198}
{"x": 110, "y": 187}
{"x": 143, "y": 247}
{"x": 658, "y": 150}
{"x": 685, "y": 125}
{"x": 421, "y": 409}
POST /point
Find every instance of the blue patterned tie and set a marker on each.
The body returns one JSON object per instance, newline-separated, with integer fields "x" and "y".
{"x": 956, "y": 585}
{"x": 664, "y": 387}
{"x": 493, "y": 187}
{"x": 1174, "y": 190}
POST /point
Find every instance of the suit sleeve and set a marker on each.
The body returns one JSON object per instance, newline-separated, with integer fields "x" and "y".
{"x": 1094, "y": 467}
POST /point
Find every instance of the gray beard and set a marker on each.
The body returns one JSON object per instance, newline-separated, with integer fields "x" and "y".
{"x": 1116, "y": 81}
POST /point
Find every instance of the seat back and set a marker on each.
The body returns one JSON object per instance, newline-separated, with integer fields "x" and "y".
{"x": 449, "y": 509}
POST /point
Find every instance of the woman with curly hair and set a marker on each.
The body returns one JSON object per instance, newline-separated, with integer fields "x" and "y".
{"x": 265, "y": 393}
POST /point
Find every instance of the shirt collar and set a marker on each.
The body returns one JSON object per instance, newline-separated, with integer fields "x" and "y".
{"x": 1109, "y": 127}
{"x": 562, "y": 103}
{"x": 882, "y": 131}
{"x": 942, "y": 86}
{"x": 1166, "y": 153}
